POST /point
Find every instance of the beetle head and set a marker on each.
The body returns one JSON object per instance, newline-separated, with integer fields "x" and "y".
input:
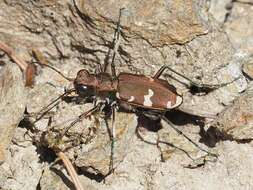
{"x": 85, "y": 83}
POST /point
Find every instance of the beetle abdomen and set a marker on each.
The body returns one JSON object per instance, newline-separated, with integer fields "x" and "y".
{"x": 142, "y": 91}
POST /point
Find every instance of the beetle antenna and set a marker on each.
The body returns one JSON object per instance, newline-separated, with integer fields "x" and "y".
{"x": 57, "y": 71}
{"x": 115, "y": 43}
{"x": 41, "y": 60}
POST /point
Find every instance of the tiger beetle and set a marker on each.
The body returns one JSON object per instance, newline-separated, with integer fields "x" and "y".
{"x": 150, "y": 96}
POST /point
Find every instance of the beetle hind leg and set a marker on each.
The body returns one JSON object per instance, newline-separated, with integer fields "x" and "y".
{"x": 190, "y": 140}
{"x": 193, "y": 86}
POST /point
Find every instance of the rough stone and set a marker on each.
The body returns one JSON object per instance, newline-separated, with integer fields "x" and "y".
{"x": 237, "y": 119}
{"x": 78, "y": 34}
{"x": 250, "y": 2}
{"x": 22, "y": 168}
{"x": 229, "y": 172}
{"x": 248, "y": 68}
{"x": 51, "y": 180}
{"x": 12, "y": 104}
{"x": 95, "y": 157}
{"x": 239, "y": 27}
{"x": 220, "y": 9}
{"x": 163, "y": 23}
{"x": 90, "y": 141}
{"x": 170, "y": 142}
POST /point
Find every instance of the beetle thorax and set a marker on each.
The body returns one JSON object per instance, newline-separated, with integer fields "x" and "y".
{"x": 87, "y": 84}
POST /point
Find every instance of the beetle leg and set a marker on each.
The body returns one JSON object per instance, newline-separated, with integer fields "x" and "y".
{"x": 203, "y": 87}
{"x": 162, "y": 69}
{"x": 50, "y": 106}
{"x": 113, "y": 139}
{"x": 181, "y": 133}
{"x": 82, "y": 116}
{"x": 158, "y": 139}
{"x": 159, "y": 72}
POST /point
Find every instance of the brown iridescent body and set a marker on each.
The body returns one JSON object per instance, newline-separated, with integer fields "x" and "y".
{"x": 135, "y": 90}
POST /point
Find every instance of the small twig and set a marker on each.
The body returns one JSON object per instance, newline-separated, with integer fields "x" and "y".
{"x": 29, "y": 70}
{"x": 70, "y": 170}
{"x": 22, "y": 64}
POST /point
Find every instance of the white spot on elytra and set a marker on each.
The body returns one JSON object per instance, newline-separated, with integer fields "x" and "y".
{"x": 151, "y": 79}
{"x": 179, "y": 100}
{"x": 147, "y": 101}
{"x": 117, "y": 95}
{"x": 131, "y": 99}
{"x": 169, "y": 104}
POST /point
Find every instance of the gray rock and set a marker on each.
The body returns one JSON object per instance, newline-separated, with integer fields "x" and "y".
{"x": 56, "y": 178}
{"x": 248, "y": 68}
{"x": 89, "y": 140}
{"x": 12, "y": 104}
{"x": 220, "y": 9}
{"x": 51, "y": 180}
{"x": 237, "y": 119}
{"x": 77, "y": 34}
{"x": 95, "y": 156}
{"x": 230, "y": 171}
{"x": 160, "y": 24}
{"x": 250, "y": 2}
{"x": 22, "y": 168}
{"x": 239, "y": 27}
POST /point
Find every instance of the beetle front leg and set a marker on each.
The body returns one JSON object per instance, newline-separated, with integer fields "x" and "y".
{"x": 113, "y": 139}
{"x": 82, "y": 116}
{"x": 50, "y": 106}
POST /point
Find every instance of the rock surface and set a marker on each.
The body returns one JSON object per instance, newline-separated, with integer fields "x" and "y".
{"x": 12, "y": 104}
{"x": 248, "y": 68}
{"x": 164, "y": 23}
{"x": 237, "y": 119}
{"x": 239, "y": 27}
{"x": 220, "y": 9}
{"x": 22, "y": 168}
{"x": 72, "y": 35}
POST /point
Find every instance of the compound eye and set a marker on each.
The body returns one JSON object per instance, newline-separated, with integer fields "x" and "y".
{"x": 83, "y": 88}
{"x": 85, "y": 91}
